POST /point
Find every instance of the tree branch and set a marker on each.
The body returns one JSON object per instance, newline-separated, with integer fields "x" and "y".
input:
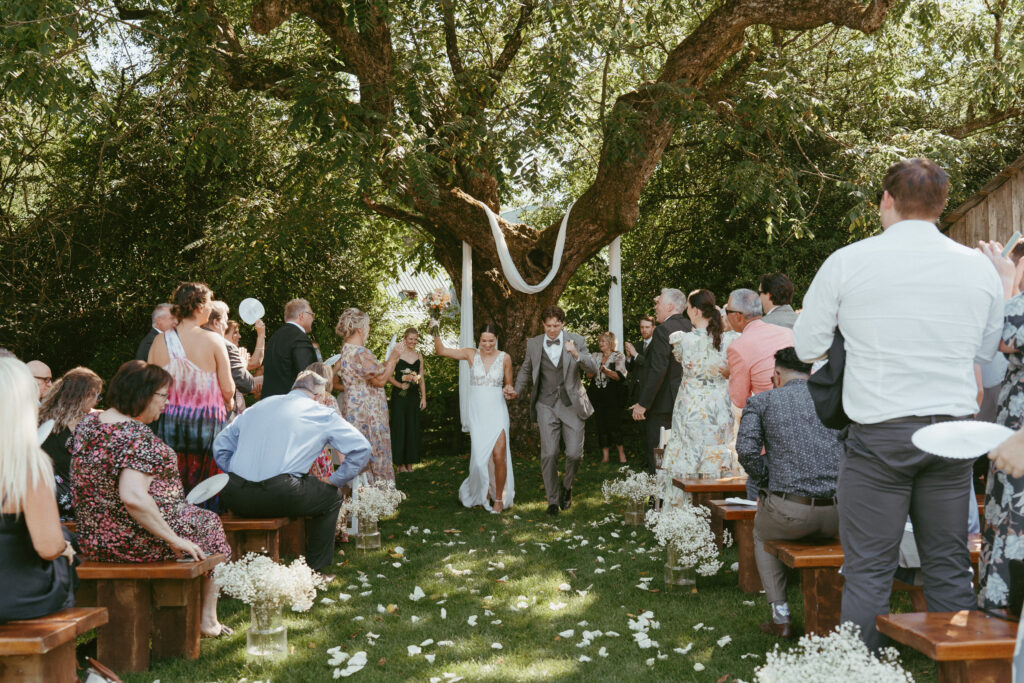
{"x": 514, "y": 42}
{"x": 451, "y": 41}
{"x": 975, "y": 124}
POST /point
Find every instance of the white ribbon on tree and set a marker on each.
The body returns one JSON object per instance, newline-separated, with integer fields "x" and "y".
{"x": 466, "y": 340}
{"x": 509, "y": 268}
{"x": 615, "y": 291}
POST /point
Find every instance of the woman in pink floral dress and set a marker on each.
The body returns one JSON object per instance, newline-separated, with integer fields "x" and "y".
{"x": 363, "y": 378}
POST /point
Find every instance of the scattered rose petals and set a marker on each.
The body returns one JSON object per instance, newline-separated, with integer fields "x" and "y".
{"x": 414, "y": 650}
{"x": 724, "y": 640}
{"x": 496, "y": 646}
{"x": 584, "y": 658}
{"x": 471, "y": 620}
{"x": 698, "y": 667}
{"x": 417, "y": 594}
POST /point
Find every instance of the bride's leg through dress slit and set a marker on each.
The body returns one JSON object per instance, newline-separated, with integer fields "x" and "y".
{"x": 498, "y": 471}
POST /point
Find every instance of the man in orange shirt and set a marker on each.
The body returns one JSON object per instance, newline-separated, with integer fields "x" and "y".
{"x": 752, "y": 355}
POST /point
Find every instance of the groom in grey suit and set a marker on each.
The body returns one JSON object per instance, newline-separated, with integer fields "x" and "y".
{"x": 558, "y": 403}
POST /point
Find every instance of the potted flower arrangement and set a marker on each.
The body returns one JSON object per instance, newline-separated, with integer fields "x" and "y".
{"x": 685, "y": 532}
{"x": 266, "y": 587}
{"x": 839, "y": 657}
{"x": 370, "y": 503}
{"x": 636, "y": 488}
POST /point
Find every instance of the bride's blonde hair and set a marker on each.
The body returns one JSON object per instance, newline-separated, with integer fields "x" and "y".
{"x": 23, "y": 464}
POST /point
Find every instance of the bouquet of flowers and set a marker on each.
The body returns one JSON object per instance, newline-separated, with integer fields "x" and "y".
{"x": 266, "y": 585}
{"x": 409, "y": 377}
{"x": 839, "y": 657}
{"x": 636, "y": 486}
{"x": 436, "y": 301}
{"x": 687, "y": 530}
{"x": 372, "y": 502}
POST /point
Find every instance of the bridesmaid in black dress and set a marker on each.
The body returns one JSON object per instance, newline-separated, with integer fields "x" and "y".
{"x": 408, "y": 398}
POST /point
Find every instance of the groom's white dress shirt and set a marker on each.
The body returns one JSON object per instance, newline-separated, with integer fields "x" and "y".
{"x": 554, "y": 351}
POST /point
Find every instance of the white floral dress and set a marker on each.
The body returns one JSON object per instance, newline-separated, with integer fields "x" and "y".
{"x": 702, "y": 419}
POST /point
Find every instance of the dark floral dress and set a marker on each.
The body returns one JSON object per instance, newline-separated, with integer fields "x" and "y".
{"x": 366, "y": 407}
{"x": 1002, "y": 529}
{"x": 106, "y": 532}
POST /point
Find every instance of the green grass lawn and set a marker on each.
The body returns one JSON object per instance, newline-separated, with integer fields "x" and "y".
{"x": 506, "y": 571}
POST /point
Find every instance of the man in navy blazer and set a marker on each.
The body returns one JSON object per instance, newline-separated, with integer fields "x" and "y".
{"x": 289, "y": 350}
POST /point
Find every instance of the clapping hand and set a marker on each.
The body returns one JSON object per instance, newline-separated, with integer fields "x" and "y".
{"x": 570, "y": 347}
{"x": 631, "y": 350}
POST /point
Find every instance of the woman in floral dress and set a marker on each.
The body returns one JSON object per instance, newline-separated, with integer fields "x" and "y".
{"x": 129, "y": 502}
{"x": 1002, "y": 530}
{"x": 702, "y": 419}
{"x": 364, "y": 404}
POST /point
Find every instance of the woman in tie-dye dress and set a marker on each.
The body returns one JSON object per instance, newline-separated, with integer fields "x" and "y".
{"x": 202, "y": 388}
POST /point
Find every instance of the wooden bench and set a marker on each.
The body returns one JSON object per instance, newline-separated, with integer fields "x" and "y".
{"x": 703, "y": 490}
{"x": 158, "y": 600}
{"x": 821, "y": 582}
{"x": 742, "y": 517}
{"x": 293, "y": 537}
{"x": 968, "y": 646}
{"x": 255, "y": 535}
{"x": 43, "y": 649}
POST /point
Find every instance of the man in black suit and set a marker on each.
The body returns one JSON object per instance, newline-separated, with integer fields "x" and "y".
{"x": 635, "y": 361}
{"x": 663, "y": 373}
{"x": 163, "y": 320}
{"x": 289, "y": 350}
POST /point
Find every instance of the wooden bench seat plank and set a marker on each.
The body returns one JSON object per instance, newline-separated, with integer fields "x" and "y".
{"x": 141, "y": 571}
{"x": 952, "y": 636}
{"x": 83, "y": 618}
{"x": 724, "y": 485}
{"x": 21, "y": 638}
{"x": 232, "y": 523}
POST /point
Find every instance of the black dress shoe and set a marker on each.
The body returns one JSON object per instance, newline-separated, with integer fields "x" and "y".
{"x": 553, "y": 510}
{"x": 781, "y": 630}
{"x": 564, "y": 497}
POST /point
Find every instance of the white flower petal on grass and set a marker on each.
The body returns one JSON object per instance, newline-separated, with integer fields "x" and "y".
{"x": 564, "y": 587}
{"x": 396, "y": 565}
{"x": 445, "y": 643}
{"x": 557, "y": 606}
{"x": 748, "y": 603}
{"x": 603, "y": 652}
{"x": 684, "y": 650}
{"x": 344, "y": 597}
{"x": 430, "y": 658}
{"x": 568, "y": 633}
{"x": 326, "y": 601}
{"x": 650, "y": 661}
{"x": 365, "y": 593}
{"x": 414, "y": 650}
{"x": 399, "y": 550}
{"x": 357, "y": 618}
{"x": 735, "y": 566}
{"x": 698, "y": 667}
{"x": 661, "y": 656}
{"x": 496, "y": 646}
{"x": 417, "y": 594}
{"x": 414, "y": 619}
{"x": 428, "y": 641}
{"x": 697, "y": 627}
{"x": 444, "y": 613}
{"x": 599, "y": 571}
{"x": 381, "y": 609}
{"x": 582, "y": 623}
{"x": 471, "y": 620}
{"x": 611, "y": 634}
{"x": 724, "y": 640}
{"x": 584, "y": 658}
{"x": 496, "y": 622}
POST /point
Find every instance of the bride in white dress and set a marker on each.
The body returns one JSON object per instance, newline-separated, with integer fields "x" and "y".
{"x": 490, "y": 462}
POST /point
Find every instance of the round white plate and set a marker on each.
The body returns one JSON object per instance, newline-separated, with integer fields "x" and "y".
{"x": 44, "y": 431}
{"x": 207, "y": 489}
{"x": 250, "y": 310}
{"x": 960, "y": 439}
{"x": 333, "y": 359}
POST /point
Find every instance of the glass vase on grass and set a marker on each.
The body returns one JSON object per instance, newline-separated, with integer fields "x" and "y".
{"x": 267, "y": 637}
{"x": 635, "y": 511}
{"x": 369, "y": 535}
{"x": 676, "y": 575}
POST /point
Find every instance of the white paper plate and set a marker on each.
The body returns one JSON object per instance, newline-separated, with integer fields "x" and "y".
{"x": 44, "y": 431}
{"x": 207, "y": 489}
{"x": 333, "y": 359}
{"x": 960, "y": 439}
{"x": 250, "y": 310}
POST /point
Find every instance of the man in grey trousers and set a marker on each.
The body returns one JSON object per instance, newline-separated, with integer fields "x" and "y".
{"x": 917, "y": 310}
{"x": 558, "y": 403}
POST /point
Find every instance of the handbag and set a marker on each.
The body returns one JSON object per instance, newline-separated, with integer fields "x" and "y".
{"x": 826, "y": 386}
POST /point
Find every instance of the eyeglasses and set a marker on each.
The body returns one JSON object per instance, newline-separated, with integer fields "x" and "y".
{"x": 311, "y": 315}
{"x": 47, "y": 380}
{"x": 727, "y": 311}
{"x": 159, "y": 393}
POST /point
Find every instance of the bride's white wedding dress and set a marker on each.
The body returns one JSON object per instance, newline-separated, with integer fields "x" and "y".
{"x": 488, "y": 419}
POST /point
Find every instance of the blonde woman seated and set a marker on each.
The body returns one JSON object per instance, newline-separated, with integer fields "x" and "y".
{"x": 36, "y": 560}
{"x": 490, "y": 462}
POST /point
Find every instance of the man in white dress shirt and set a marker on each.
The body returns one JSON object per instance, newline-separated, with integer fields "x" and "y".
{"x": 917, "y": 310}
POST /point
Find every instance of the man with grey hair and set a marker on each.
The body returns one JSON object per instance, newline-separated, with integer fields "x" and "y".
{"x": 752, "y": 355}
{"x": 657, "y": 394}
{"x": 162, "y": 320}
{"x": 289, "y": 349}
{"x": 267, "y": 452}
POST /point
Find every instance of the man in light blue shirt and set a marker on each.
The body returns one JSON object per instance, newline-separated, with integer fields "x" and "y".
{"x": 268, "y": 450}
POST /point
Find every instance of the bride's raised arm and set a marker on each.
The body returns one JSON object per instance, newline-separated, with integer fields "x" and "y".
{"x": 442, "y": 350}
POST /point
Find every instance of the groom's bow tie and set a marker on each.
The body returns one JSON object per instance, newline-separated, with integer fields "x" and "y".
{"x": 552, "y": 342}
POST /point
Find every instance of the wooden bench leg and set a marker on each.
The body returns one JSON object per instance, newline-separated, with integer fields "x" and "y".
{"x": 263, "y": 542}
{"x": 293, "y": 537}
{"x": 750, "y": 580}
{"x": 823, "y": 598}
{"x": 123, "y": 644}
{"x": 176, "y": 616}
{"x": 975, "y": 671}
{"x": 57, "y": 665}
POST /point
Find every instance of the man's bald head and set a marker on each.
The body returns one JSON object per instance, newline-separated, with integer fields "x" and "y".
{"x": 44, "y": 377}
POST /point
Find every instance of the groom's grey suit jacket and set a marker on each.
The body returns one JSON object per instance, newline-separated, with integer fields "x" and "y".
{"x": 569, "y": 366}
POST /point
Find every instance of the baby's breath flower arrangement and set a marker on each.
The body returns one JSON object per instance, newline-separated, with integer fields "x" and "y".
{"x": 839, "y": 657}
{"x": 373, "y": 502}
{"x": 685, "y": 530}
{"x": 635, "y": 487}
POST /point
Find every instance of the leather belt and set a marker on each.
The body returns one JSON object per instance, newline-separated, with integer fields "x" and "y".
{"x": 820, "y": 502}
{"x": 923, "y": 419}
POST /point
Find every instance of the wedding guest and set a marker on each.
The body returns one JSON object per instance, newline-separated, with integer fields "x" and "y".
{"x": 72, "y": 397}
{"x": 702, "y": 418}
{"x": 408, "y": 398}
{"x": 912, "y": 336}
{"x": 662, "y": 372}
{"x": 268, "y": 451}
{"x": 202, "y": 391}
{"x": 42, "y": 374}
{"x": 162, "y": 320}
{"x": 752, "y": 356}
{"x": 129, "y": 501}
{"x": 323, "y": 467}
{"x": 776, "y": 292}
{"x": 245, "y": 383}
{"x": 363, "y": 402}
{"x": 636, "y": 357}
{"x": 607, "y": 392}
{"x": 234, "y": 335}
{"x": 37, "y": 563}
{"x": 289, "y": 349}
{"x": 794, "y": 460}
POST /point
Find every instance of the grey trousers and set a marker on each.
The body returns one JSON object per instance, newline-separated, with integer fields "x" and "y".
{"x": 559, "y": 422}
{"x": 882, "y": 479}
{"x": 778, "y": 518}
